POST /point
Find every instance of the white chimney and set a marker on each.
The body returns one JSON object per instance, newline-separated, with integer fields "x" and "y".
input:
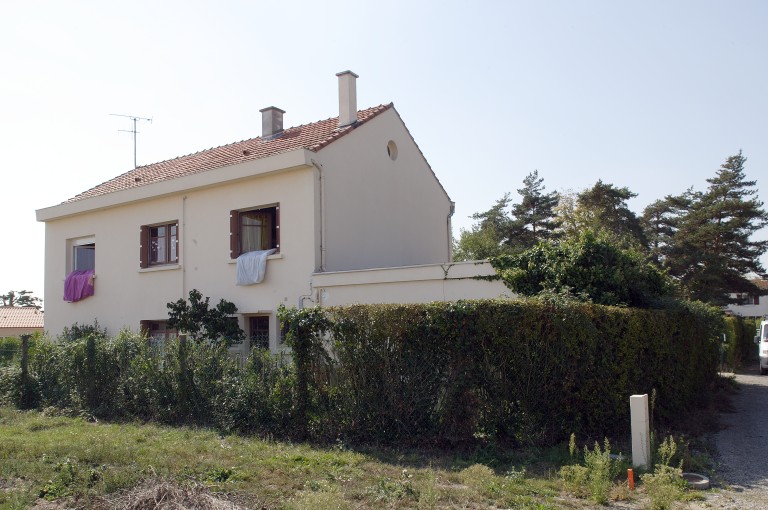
{"x": 347, "y": 98}
{"x": 271, "y": 121}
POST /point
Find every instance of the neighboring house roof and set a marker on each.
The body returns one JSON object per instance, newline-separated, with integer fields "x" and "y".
{"x": 760, "y": 283}
{"x": 312, "y": 137}
{"x": 20, "y": 317}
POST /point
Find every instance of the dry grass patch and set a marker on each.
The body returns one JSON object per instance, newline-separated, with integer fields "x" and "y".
{"x": 156, "y": 494}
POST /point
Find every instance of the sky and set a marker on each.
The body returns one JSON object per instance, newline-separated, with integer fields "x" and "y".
{"x": 651, "y": 95}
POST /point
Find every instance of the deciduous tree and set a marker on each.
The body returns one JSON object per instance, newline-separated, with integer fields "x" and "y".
{"x": 590, "y": 267}
{"x": 200, "y": 322}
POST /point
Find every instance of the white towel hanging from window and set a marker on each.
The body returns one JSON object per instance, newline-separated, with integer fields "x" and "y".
{"x": 252, "y": 266}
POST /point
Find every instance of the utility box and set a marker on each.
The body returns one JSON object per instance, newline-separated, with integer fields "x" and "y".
{"x": 641, "y": 431}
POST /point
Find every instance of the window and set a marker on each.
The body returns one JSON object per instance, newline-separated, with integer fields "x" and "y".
{"x": 159, "y": 244}
{"x": 254, "y": 229}
{"x": 258, "y": 332}
{"x": 84, "y": 254}
{"x": 158, "y": 333}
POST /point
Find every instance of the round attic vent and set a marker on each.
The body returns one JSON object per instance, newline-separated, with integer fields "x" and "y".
{"x": 392, "y": 150}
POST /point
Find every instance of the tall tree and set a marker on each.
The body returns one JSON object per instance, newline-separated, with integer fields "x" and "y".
{"x": 487, "y": 236}
{"x": 20, "y": 298}
{"x": 714, "y": 251}
{"x": 534, "y": 218}
{"x": 505, "y": 229}
{"x": 603, "y": 208}
{"x": 661, "y": 221}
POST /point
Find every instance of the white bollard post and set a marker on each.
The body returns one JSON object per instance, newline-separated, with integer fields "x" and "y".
{"x": 641, "y": 435}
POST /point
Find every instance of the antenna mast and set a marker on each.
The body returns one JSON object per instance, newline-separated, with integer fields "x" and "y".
{"x": 135, "y": 119}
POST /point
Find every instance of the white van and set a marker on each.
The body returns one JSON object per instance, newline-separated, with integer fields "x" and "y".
{"x": 762, "y": 346}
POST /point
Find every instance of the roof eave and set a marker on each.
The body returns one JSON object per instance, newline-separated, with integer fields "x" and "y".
{"x": 278, "y": 163}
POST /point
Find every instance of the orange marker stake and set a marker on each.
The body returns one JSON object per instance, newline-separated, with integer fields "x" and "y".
{"x": 631, "y": 479}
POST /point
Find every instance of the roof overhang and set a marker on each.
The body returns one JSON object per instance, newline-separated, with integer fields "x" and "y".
{"x": 299, "y": 158}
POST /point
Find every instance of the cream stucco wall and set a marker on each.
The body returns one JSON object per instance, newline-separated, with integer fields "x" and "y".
{"x": 414, "y": 284}
{"x": 380, "y": 212}
{"x": 126, "y": 294}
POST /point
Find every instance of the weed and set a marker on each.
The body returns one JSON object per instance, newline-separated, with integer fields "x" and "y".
{"x": 391, "y": 490}
{"x": 602, "y": 471}
{"x": 572, "y": 446}
{"x": 665, "y": 485}
{"x": 219, "y": 475}
{"x": 428, "y": 491}
{"x": 595, "y": 478}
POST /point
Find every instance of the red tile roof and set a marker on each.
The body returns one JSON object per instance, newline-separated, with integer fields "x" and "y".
{"x": 20, "y": 317}
{"x": 312, "y": 137}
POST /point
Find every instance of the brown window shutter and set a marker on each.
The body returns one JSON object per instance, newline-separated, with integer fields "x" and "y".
{"x": 144, "y": 246}
{"x": 234, "y": 234}
{"x": 178, "y": 236}
{"x": 277, "y": 227}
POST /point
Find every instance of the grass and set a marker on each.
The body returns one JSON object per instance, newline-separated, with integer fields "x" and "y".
{"x": 93, "y": 465}
{"x": 76, "y": 460}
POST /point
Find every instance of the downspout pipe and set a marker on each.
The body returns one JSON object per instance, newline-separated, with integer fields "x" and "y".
{"x": 319, "y": 168}
{"x": 451, "y": 210}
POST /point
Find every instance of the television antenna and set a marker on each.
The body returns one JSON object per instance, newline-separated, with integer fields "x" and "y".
{"x": 135, "y": 119}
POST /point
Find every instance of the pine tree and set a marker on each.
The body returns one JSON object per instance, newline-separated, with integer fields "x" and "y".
{"x": 534, "y": 218}
{"x": 713, "y": 252}
{"x": 661, "y": 221}
{"x": 603, "y": 208}
{"x": 487, "y": 236}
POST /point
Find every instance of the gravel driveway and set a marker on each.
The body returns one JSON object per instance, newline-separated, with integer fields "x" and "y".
{"x": 743, "y": 448}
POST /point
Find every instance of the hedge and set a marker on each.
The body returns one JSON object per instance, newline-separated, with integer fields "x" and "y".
{"x": 522, "y": 372}
{"x": 740, "y": 348}
{"x": 529, "y": 371}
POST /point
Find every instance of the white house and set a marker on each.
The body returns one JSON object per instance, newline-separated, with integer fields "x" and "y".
{"x": 751, "y": 305}
{"x": 338, "y": 200}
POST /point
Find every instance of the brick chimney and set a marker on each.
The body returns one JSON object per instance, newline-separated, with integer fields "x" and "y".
{"x": 347, "y": 98}
{"x": 271, "y": 121}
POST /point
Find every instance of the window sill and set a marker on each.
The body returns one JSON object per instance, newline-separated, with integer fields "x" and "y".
{"x": 275, "y": 256}
{"x": 165, "y": 267}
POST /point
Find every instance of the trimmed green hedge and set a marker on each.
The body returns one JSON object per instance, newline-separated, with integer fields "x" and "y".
{"x": 740, "y": 348}
{"x": 528, "y": 371}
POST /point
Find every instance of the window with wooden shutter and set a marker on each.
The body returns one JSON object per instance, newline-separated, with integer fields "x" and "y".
{"x": 159, "y": 244}
{"x": 144, "y": 246}
{"x": 254, "y": 230}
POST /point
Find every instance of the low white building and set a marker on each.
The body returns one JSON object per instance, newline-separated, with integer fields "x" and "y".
{"x": 751, "y": 305}
{"x": 338, "y": 200}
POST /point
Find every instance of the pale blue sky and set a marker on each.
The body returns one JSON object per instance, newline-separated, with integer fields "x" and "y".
{"x": 650, "y": 95}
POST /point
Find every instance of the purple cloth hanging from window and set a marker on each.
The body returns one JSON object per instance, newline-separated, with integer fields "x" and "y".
{"x": 78, "y": 285}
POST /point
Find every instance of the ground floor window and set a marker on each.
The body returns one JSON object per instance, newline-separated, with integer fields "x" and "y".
{"x": 258, "y": 331}
{"x": 158, "y": 332}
